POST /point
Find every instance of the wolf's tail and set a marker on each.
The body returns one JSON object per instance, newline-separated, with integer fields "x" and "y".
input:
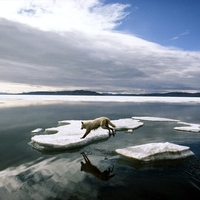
{"x": 111, "y": 124}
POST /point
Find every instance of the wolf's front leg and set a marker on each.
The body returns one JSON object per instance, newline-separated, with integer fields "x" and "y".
{"x": 111, "y": 131}
{"x": 86, "y": 133}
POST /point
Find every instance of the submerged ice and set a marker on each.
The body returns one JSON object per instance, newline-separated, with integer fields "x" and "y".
{"x": 156, "y": 151}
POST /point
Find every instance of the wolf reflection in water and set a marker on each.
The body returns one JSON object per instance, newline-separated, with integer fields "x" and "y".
{"x": 92, "y": 169}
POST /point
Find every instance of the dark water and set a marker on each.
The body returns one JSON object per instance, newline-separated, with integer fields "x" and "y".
{"x": 28, "y": 174}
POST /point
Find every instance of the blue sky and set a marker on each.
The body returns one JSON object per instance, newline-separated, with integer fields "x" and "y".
{"x": 170, "y": 23}
{"x": 108, "y": 46}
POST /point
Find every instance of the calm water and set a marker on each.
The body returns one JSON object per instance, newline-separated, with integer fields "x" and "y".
{"x": 26, "y": 173}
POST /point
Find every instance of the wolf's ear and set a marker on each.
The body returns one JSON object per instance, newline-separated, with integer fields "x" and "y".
{"x": 81, "y": 122}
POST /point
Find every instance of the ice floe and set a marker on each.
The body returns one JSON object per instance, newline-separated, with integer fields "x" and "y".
{"x": 68, "y": 136}
{"x": 127, "y": 124}
{"x": 37, "y": 130}
{"x": 156, "y": 151}
{"x": 157, "y": 119}
{"x": 188, "y": 127}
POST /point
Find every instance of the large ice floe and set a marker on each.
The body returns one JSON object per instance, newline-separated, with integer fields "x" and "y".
{"x": 156, "y": 152}
{"x": 68, "y": 136}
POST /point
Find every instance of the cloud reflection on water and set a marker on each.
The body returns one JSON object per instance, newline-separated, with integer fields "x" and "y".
{"x": 50, "y": 178}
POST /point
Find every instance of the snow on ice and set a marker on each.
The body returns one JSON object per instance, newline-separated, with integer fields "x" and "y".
{"x": 156, "y": 151}
{"x": 37, "y": 130}
{"x": 157, "y": 119}
{"x": 188, "y": 127}
{"x": 68, "y": 136}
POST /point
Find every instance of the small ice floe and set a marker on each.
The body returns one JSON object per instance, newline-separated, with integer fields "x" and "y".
{"x": 129, "y": 130}
{"x": 156, "y": 151}
{"x": 127, "y": 124}
{"x": 156, "y": 119}
{"x": 188, "y": 127}
{"x": 68, "y": 136}
{"x": 37, "y": 130}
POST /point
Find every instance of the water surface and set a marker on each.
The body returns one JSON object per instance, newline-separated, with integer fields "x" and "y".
{"x": 29, "y": 174}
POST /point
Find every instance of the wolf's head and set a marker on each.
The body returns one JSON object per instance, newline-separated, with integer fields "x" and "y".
{"x": 83, "y": 125}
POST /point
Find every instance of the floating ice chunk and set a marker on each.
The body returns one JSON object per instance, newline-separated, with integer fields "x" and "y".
{"x": 157, "y": 119}
{"x": 68, "y": 136}
{"x": 188, "y": 127}
{"x": 156, "y": 151}
{"x": 127, "y": 124}
{"x": 36, "y": 130}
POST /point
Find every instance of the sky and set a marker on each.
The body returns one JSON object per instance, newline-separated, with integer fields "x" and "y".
{"x": 138, "y": 46}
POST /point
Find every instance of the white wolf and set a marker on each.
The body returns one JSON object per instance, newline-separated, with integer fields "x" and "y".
{"x": 102, "y": 122}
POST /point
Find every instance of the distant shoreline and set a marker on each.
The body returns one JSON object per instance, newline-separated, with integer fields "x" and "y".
{"x": 30, "y": 100}
{"x": 93, "y": 93}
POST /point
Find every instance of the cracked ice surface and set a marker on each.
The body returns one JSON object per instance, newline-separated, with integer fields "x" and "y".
{"x": 156, "y": 151}
{"x": 68, "y": 136}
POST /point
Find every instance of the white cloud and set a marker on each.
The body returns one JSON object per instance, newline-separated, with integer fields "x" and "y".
{"x": 187, "y": 32}
{"x": 64, "y": 15}
{"x": 88, "y": 54}
{"x": 9, "y": 87}
{"x": 175, "y": 38}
